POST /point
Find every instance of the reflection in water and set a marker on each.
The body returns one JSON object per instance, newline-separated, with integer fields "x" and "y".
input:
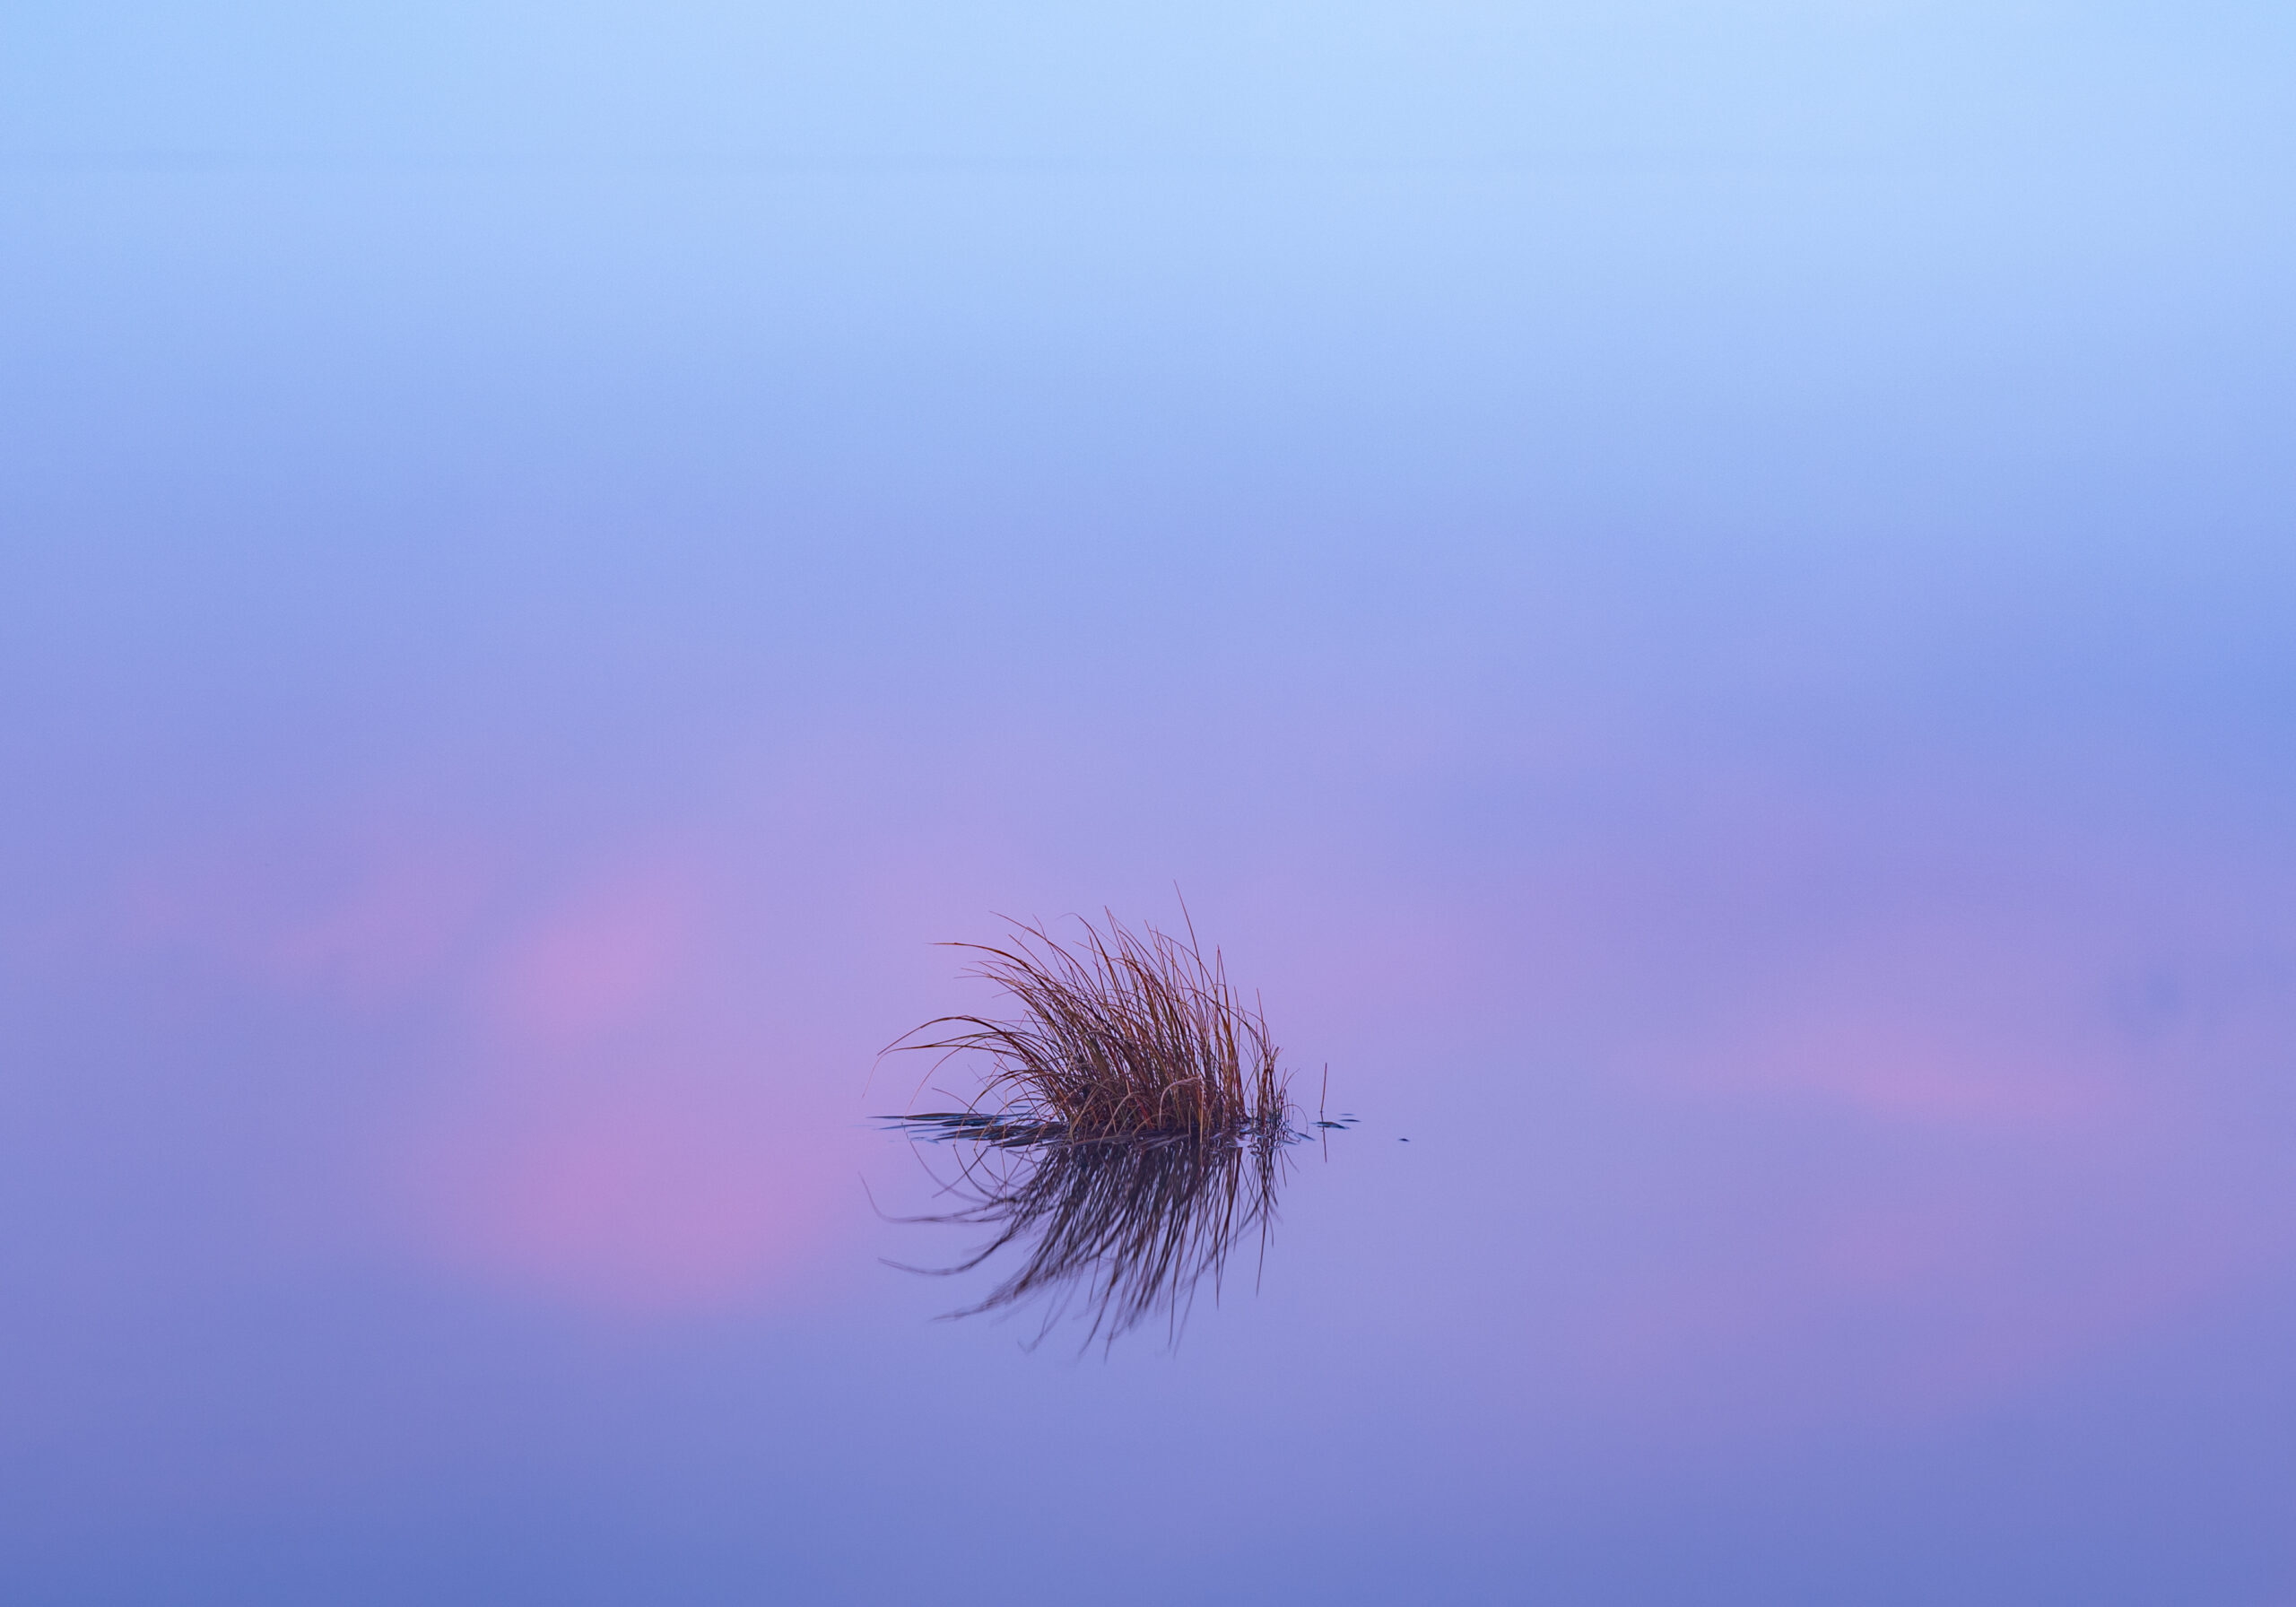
{"x": 1115, "y": 1231}
{"x": 1138, "y": 1131}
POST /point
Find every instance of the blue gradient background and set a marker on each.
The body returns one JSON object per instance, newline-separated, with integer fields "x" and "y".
{"x": 1698, "y": 593}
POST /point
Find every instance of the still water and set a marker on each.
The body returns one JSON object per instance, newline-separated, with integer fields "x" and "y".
{"x": 1745, "y": 716}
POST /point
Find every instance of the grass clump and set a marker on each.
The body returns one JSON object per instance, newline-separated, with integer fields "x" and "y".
{"x": 1122, "y": 1036}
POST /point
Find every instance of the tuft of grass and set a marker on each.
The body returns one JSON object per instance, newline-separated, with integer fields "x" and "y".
{"x": 1121, "y": 1036}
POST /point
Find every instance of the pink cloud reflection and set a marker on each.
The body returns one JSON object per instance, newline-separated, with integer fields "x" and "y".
{"x": 607, "y": 1135}
{"x": 601, "y": 960}
{"x": 618, "y": 1143}
{"x": 641, "y": 1195}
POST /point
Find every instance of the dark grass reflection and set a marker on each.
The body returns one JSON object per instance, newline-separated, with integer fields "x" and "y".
{"x": 1116, "y": 1233}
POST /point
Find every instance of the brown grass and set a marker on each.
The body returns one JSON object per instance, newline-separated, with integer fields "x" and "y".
{"x": 1121, "y": 1036}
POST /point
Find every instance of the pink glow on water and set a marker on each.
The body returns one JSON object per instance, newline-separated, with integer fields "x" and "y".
{"x": 1877, "y": 1050}
{"x": 646, "y": 1194}
{"x": 590, "y": 1118}
{"x": 619, "y": 1143}
{"x": 599, "y": 960}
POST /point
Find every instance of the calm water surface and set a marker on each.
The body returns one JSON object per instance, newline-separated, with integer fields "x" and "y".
{"x": 1748, "y": 716}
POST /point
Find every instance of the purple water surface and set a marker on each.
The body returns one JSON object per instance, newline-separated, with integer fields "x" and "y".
{"x": 1745, "y": 708}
